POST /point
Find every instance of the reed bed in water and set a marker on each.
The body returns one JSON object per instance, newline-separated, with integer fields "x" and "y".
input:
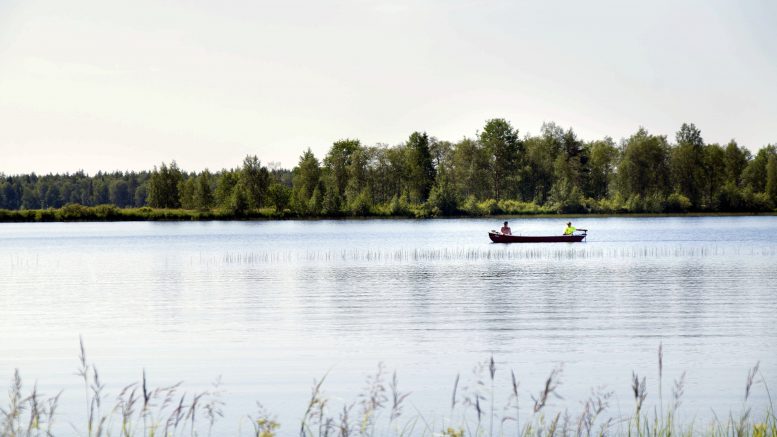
{"x": 473, "y": 254}
{"x": 381, "y": 409}
{"x": 500, "y": 253}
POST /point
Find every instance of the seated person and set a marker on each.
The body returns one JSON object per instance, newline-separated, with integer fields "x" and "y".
{"x": 570, "y": 229}
{"x": 506, "y": 230}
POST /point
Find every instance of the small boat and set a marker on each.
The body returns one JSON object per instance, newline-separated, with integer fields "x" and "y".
{"x": 498, "y": 237}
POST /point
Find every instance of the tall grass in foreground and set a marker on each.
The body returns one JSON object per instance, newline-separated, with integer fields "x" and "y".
{"x": 474, "y": 410}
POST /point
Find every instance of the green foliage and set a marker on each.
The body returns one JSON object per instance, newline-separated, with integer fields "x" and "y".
{"x": 227, "y": 181}
{"x": 490, "y": 207}
{"x": 443, "y": 199}
{"x": 338, "y": 162}
{"x": 359, "y": 205}
{"x": 571, "y": 173}
{"x": 359, "y": 178}
{"x": 515, "y": 207}
{"x": 495, "y": 172}
{"x": 254, "y": 180}
{"x": 306, "y": 179}
{"x": 759, "y": 202}
{"x": 687, "y": 164}
{"x": 332, "y": 203}
{"x": 422, "y": 171}
{"x": 471, "y": 169}
{"x": 471, "y": 207}
{"x": 612, "y": 205}
{"x": 537, "y": 173}
{"x": 503, "y": 148}
{"x": 714, "y": 177}
{"x": 30, "y": 199}
{"x": 744, "y": 200}
{"x": 730, "y": 198}
{"x": 771, "y": 179}
{"x": 74, "y": 212}
{"x": 141, "y": 196}
{"x": 119, "y": 193}
{"x": 239, "y": 203}
{"x": 604, "y": 158}
{"x": 279, "y": 196}
{"x": 754, "y": 175}
{"x": 316, "y": 202}
{"x": 677, "y": 202}
{"x": 163, "y": 187}
{"x": 644, "y": 167}
{"x": 399, "y": 206}
{"x": 735, "y": 162}
{"x": 187, "y": 190}
{"x": 203, "y": 193}
{"x": 572, "y": 201}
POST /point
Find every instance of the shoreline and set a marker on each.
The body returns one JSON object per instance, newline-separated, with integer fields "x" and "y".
{"x": 106, "y": 213}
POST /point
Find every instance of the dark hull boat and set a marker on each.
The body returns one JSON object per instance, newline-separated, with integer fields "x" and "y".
{"x": 496, "y": 237}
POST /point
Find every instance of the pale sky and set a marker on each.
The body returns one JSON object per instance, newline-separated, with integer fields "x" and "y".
{"x": 118, "y": 85}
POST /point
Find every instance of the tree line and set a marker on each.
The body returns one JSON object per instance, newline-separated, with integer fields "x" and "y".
{"x": 496, "y": 171}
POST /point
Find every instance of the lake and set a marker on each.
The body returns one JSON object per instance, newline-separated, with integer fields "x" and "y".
{"x": 269, "y": 306}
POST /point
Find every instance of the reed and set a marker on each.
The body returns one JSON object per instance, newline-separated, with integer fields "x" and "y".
{"x": 141, "y": 410}
{"x": 486, "y": 253}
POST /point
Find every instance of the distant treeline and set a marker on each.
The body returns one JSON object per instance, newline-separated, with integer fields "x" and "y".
{"x": 495, "y": 172}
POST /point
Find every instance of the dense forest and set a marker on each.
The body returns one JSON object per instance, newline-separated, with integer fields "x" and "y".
{"x": 495, "y": 172}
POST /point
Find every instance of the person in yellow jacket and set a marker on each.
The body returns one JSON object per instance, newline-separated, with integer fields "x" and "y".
{"x": 570, "y": 229}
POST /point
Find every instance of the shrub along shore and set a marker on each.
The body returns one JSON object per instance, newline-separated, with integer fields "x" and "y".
{"x": 110, "y": 213}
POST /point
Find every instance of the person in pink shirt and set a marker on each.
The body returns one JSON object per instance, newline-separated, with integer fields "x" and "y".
{"x": 506, "y": 230}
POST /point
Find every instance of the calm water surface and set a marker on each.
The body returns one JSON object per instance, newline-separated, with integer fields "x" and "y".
{"x": 270, "y": 306}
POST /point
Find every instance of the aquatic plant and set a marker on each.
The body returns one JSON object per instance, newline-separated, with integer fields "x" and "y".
{"x": 140, "y": 410}
{"x": 491, "y": 252}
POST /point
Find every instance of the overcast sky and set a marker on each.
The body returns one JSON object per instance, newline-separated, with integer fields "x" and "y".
{"x": 116, "y": 85}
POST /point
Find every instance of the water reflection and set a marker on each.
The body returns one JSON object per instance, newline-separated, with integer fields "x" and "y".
{"x": 270, "y": 308}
